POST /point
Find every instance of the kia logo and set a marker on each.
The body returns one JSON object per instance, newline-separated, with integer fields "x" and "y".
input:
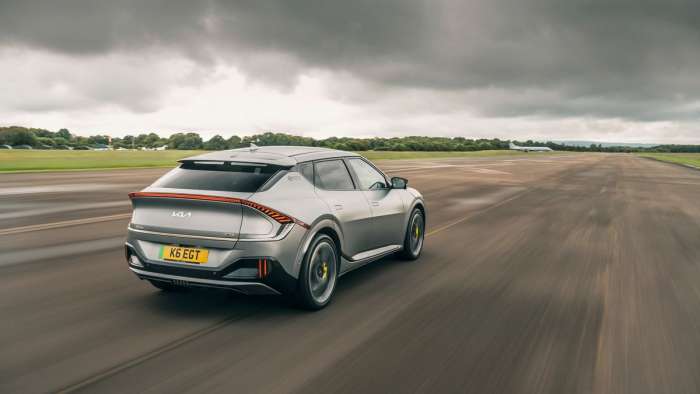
{"x": 181, "y": 214}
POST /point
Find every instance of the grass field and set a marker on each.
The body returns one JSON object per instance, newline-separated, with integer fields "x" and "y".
{"x": 690, "y": 159}
{"x": 47, "y": 160}
{"x": 53, "y": 160}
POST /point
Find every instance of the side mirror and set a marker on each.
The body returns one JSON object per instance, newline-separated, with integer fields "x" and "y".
{"x": 398, "y": 182}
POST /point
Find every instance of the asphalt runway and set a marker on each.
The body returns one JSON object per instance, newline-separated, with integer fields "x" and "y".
{"x": 541, "y": 274}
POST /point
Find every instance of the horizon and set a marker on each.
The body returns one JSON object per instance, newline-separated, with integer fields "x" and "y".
{"x": 571, "y": 142}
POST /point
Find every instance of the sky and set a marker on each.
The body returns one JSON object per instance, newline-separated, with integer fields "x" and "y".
{"x": 602, "y": 70}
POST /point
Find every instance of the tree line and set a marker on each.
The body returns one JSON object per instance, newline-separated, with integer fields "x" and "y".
{"x": 64, "y": 139}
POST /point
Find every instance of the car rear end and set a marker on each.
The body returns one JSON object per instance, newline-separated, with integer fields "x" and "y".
{"x": 199, "y": 225}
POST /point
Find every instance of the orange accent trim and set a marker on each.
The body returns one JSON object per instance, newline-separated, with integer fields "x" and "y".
{"x": 265, "y": 267}
{"x": 275, "y": 215}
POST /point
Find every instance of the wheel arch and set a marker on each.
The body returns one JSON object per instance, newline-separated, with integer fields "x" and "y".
{"x": 421, "y": 206}
{"x": 327, "y": 226}
{"x": 417, "y": 204}
{"x": 334, "y": 236}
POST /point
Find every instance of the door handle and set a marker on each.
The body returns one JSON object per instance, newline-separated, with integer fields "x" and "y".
{"x": 375, "y": 203}
{"x": 337, "y": 207}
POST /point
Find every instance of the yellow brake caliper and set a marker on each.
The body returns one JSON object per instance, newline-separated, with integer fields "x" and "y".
{"x": 417, "y": 231}
{"x": 325, "y": 270}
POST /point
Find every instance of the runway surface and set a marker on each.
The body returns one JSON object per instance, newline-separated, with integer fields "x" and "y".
{"x": 541, "y": 274}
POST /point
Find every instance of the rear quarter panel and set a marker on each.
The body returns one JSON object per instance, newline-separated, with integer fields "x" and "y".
{"x": 293, "y": 195}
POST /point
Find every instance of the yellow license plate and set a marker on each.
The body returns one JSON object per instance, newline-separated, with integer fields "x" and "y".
{"x": 187, "y": 255}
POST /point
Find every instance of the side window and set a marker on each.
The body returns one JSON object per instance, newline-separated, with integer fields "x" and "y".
{"x": 367, "y": 176}
{"x": 307, "y": 171}
{"x": 333, "y": 175}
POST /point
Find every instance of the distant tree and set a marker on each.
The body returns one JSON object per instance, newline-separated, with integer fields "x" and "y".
{"x": 234, "y": 142}
{"x": 42, "y": 133}
{"x": 98, "y": 139}
{"x": 45, "y": 141}
{"x": 60, "y": 141}
{"x": 175, "y": 140}
{"x": 216, "y": 142}
{"x": 80, "y": 141}
{"x": 140, "y": 140}
{"x": 152, "y": 140}
{"x": 187, "y": 141}
{"x": 278, "y": 139}
{"x": 14, "y": 135}
{"x": 128, "y": 141}
{"x": 63, "y": 133}
{"x": 192, "y": 141}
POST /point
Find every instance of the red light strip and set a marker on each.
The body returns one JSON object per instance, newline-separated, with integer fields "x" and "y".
{"x": 262, "y": 268}
{"x": 275, "y": 215}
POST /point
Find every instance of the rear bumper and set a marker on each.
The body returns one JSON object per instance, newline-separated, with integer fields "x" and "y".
{"x": 223, "y": 253}
{"x": 251, "y": 288}
{"x": 233, "y": 276}
{"x": 231, "y": 265}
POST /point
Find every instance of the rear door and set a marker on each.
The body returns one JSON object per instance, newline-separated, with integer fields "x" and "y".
{"x": 335, "y": 186}
{"x": 388, "y": 211}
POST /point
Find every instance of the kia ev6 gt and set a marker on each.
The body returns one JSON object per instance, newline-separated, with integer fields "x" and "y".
{"x": 271, "y": 220}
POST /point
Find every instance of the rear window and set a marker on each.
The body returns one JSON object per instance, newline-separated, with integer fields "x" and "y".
{"x": 218, "y": 176}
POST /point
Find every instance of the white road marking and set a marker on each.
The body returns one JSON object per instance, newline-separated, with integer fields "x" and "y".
{"x": 49, "y": 209}
{"x": 66, "y": 223}
{"x": 488, "y": 171}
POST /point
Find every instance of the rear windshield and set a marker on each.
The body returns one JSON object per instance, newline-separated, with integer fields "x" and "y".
{"x": 219, "y": 176}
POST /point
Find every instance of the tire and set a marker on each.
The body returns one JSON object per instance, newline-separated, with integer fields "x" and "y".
{"x": 165, "y": 286}
{"x": 319, "y": 274}
{"x": 415, "y": 235}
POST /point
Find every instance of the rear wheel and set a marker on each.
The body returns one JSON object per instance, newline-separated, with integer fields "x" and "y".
{"x": 415, "y": 234}
{"x": 165, "y": 286}
{"x": 319, "y": 273}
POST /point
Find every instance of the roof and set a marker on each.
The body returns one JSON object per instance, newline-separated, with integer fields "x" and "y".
{"x": 280, "y": 155}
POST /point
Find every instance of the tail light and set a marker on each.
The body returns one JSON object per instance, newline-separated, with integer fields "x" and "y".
{"x": 273, "y": 214}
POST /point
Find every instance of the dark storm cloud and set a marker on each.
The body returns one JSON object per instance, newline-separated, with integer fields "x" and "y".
{"x": 635, "y": 60}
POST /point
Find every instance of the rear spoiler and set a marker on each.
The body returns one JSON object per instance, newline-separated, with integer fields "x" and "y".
{"x": 223, "y": 162}
{"x": 273, "y": 214}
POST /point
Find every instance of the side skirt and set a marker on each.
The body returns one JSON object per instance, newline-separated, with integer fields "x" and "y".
{"x": 350, "y": 263}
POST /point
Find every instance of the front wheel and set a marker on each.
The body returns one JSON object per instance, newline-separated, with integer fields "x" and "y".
{"x": 415, "y": 234}
{"x": 319, "y": 273}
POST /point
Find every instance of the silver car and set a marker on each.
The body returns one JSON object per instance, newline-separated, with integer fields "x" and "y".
{"x": 271, "y": 220}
